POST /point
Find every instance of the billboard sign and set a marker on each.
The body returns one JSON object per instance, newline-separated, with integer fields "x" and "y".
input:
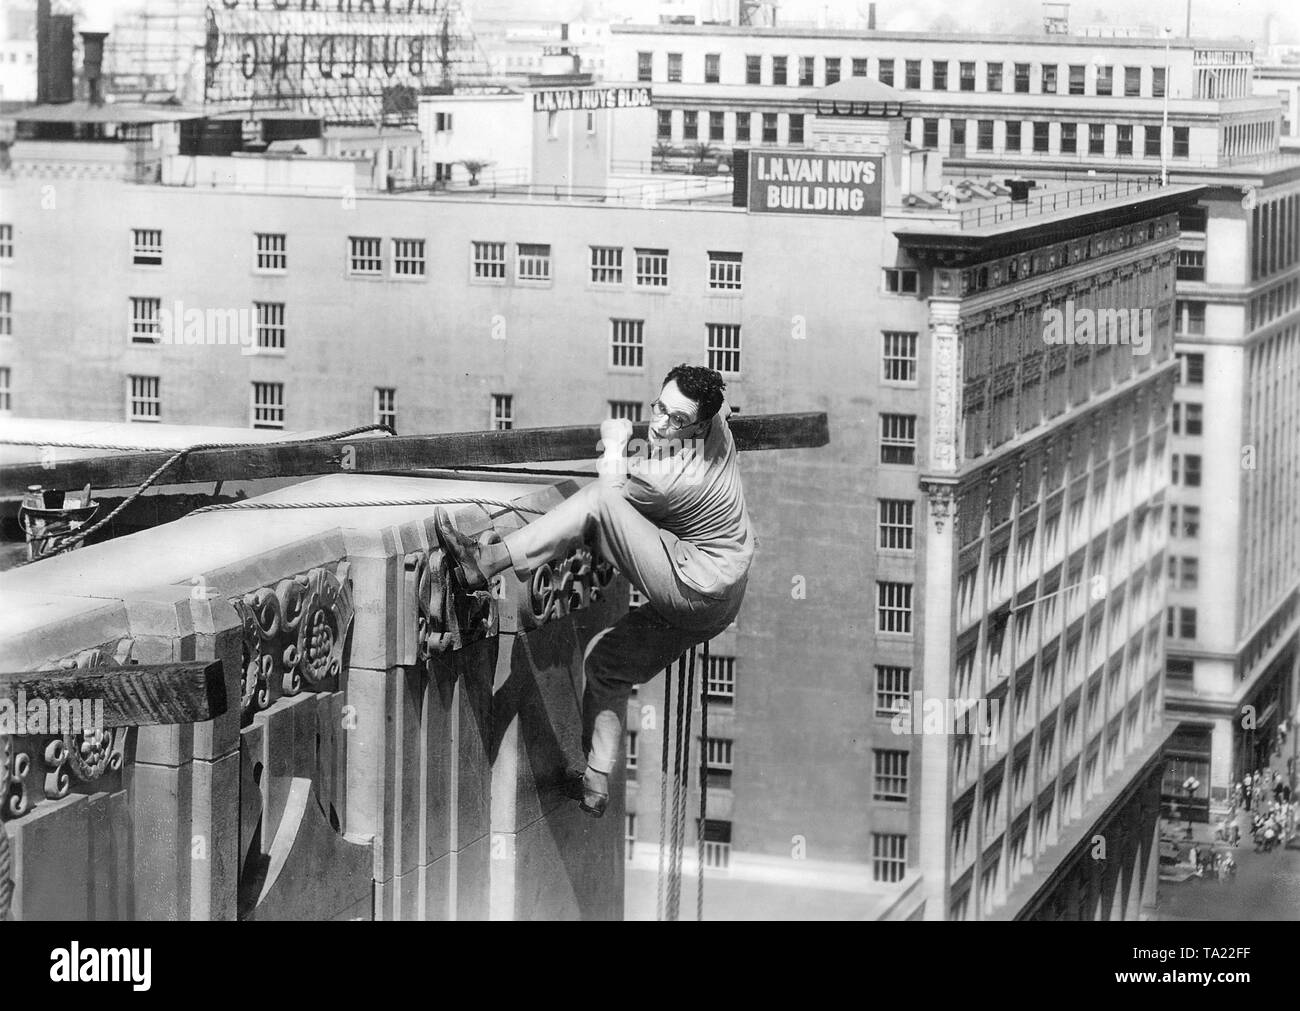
{"x": 836, "y": 184}
{"x": 562, "y": 99}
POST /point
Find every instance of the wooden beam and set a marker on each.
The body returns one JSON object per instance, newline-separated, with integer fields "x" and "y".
{"x": 136, "y": 695}
{"x": 370, "y": 455}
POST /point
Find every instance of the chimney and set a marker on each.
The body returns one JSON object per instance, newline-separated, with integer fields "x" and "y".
{"x": 92, "y": 49}
{"x": 871, "y": 17}
{"x": 54, "y": 62}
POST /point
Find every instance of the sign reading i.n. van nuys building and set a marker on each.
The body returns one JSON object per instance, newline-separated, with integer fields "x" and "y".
{"x": 815, "y": 183}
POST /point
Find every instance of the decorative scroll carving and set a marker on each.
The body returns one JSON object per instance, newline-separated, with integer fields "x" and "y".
{"x": 569, "y": 584}
{"x": 942, "y": 496}
{"x": 945, "y": 330}
{"x": 447, "y": 618}
{"x": 294, "y": 632}
{"x": 47, "y": 766}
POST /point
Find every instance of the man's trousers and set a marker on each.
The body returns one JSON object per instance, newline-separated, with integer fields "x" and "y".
{"x": 648, "y": 638}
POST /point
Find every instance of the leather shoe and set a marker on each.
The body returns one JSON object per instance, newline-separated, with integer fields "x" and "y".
{"x": 590, "y": 789}
{"x": 462, "y": 552}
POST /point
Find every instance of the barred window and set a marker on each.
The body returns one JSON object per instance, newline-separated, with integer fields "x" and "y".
{"x": 533, "y": 262}
{"x": 144, "y": 401}
{"x": 386, "y": 406}
{"x": 503, "y": 411}
{"x": 721, "y": 675}
{"x": 890, "y": 775}
{"x": 6, "y": 389}
{"x": 894, "y": 607}
{"x": 724, "y": 271}
{"x": 626, "y": 343}
{"x": 717, "y": 843}
{"x": 895, "y": 524}
{"x": 898, "y": 438}
{"x": 628, "y": 410}
{"x": 606, "y": 264}
{"x": 268, "y": 405}
{"x": 271, "y": 254}
{"x": 490, "y": 260}
{"x": 146, "y": 247}
{"x": 6, "y": 242}
{"x": 718, "y": 754}
{"x": 893, "y": 689}
{"x": 724, "y": 347}
{"x": 270, "y": 325}
{"x": 652, "y": 268}
{"x": 631, "y": 754}
{"x": 6, "y": 314}
{"x": 888, "y": 856}
{"x": 408, "y": 257}
{"x": 146, "y": 320}
{"x": 899, "y": 364}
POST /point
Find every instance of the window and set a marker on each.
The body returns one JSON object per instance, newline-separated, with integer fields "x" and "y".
{"x": 503, "y": 411}
{"x": 645, "y": 66}
{"x": 270, "y": 325}
{"x": 1184, "y": 521}
{"x": 1041, "y": 135}
{"x": 490, "y": 261}
{"x": 1177, "y": 669}
{"x": 753, "y": 69}
{"x": 769, "y": 128}
{"x": 675, "y": 67}
{"x": 631, "y": 754}
{"x": 894, "y": 607}
{"x": 6, "y": 314}
{"x": 724, "y": 346}
{"x": 6, "y": 242}
{"x": 993, "y": 77}
{"x": 146, "y": 320}
{"x": 722, "y": 678}
{"x": 893, "y": 690}
{"x": 1151, "y": 141}
{"x": 628, "y": 410}
{"x": 833, "y": 70}
{"x": 1157, "y": 82}
{"x": 1188, "y": 419}
{"x": 895, "y": 524}
{"x": 144, "y": 402}
{"x": 690, "y": 124}
{"x": 724, "y": 271}
{"x": 859, "y": 66}
{"x": 408, "y": 257}
{"x": 716, "y": 120}
{"x": 807, "y": 71}
{"x": 1191, "y": 265}
{"x": 442, "y": 122}
{"x": 930, "y": 133}
{"x": 1189, "y": 465}
{"x": 718, "y": 761}
{"x": 901, "y": 281}
{"x": 1049, "y": 79}
{"x": 552, "y": 125}
{"x": 890, "y": 775}
{"x": 1182, "y": 142}
{"x": 898, "y": 438}
{"x": 1105, "y": 80}
{"x": 606, "y": 264}
{"x": 967, "y": 77}
{"x": 365, "y": 256}
{"x": 1184, "y": 571}
{"x": 1180, "y": 622}
{"x": 1124, "y": 139}
{"x": 271, "y": 256}
{"x": 1189, "y": 317}
{"x": 899, "y": 356}
{"x": 984, "y": 135}
{"x": 629, "y": 835}
{"x": 386, "y": 407}
{"x": 1013, "y": 135}
{"x": 796, "y": 128}
{"x": 886, "y": 73}
{"x": 1191, "y": 368}
{"x": 626, "y": 343}
{"x": 779, "y": 65}
{"x": 1076, "y": 78}
{"x": 268, "y": 405}
{"x": 652, "y": 268}
{"x": 1022, "y": 78}
{"x": 888, "y": 856}
{"x": 939, "y": 75}
{"x": 912, "y": 74}
{"x": 717, "y": 844}
{"x": 1096, "y": 138}
{"x": 6, "y": 389}
{"x": 146, "y": 247}
{"x": 442, "y": 171}
{"x": 1069, "y": 138}
{"x": 712, "y": 68}
{"x": 532, "y": 261}
{"x": 1132, "y": 82}
{"x": 742, "y": 127}
{"x": 665, "y": 118}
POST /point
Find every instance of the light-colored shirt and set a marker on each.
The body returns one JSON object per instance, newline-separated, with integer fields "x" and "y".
{"x": 696, "y": 499}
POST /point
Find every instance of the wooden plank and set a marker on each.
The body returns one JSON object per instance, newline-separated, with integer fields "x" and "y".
{"x": 370, "y": 455}
{"x": 134, "y": 696}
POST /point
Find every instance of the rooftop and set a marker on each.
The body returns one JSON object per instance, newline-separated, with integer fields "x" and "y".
{"x": 109, "y": 112}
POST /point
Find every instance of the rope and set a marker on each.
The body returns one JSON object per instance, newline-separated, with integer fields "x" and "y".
{"x": 663, "y": 785}
{"x": 180, "y": 454}
{"x": 704, "y": 779}
{"x": 674, "y": 872}
{"x": 687, "y": 692}
{"x": 368, "y": 504}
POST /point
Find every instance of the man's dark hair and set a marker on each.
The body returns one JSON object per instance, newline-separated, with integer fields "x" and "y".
{"x": 701, "y": 384}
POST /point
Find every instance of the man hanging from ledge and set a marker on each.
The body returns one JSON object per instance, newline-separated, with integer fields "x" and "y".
{"x": 674, "y": 524}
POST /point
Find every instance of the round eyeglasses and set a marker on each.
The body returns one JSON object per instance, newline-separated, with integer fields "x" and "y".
{"x": 676, "y": 419}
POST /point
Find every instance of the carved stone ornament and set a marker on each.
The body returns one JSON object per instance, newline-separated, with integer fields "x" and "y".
{"x": 569, "y": 584}
{"x": 47, "y": 766}
{"x": 294, "y": 633}
{"x": 447, "y": 618}
{"x": 942, "y": 496}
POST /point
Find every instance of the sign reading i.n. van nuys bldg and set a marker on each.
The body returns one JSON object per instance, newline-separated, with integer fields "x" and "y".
{"x": 815, "y": 183}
